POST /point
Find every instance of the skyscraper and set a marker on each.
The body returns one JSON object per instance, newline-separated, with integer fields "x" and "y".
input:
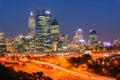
{"x": 10, "y": 44}
{"x": 55, "y": 30}
{"x": 1, "y": 38}
{"x": 93, "y": 38}
{"x": 62, "y": 42}
{"x": 54, "y": 35}
{"x": 78, "y": 36}
{"x": 2, "y": 43}
{"x": 43, "y": 26}
{"x": 31, "y": 25}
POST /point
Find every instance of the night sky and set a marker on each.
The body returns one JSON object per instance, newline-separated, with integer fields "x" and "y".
{"x": 101, "y": 15}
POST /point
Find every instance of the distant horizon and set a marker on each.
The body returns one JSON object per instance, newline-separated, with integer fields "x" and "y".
{"x": 103, "y": 16}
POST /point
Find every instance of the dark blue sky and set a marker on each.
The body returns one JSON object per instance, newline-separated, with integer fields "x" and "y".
{"x": 101, "y": 15}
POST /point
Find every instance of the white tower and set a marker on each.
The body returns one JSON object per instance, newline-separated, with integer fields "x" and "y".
{"x": 78, "y": 36}
{"x": 31, "y": 25}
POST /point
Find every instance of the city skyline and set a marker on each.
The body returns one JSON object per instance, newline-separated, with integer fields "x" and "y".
{"x": 60, "y": 39}
{"x": 103, "y": 16}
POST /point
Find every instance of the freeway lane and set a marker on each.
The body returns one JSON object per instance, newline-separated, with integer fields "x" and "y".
{"x": 82, "y": 76}
{"x": 56, "y": 74}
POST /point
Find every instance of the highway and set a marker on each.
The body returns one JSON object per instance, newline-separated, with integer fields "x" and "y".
{"x": 81, "y": 75}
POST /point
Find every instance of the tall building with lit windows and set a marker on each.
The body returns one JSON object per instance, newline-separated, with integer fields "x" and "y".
{"x": 1, "y": 38}
{"x": 78, "y": 36}
{"x": 31, "y": 25}
{"x": 54, "y": 35}
{"x": 10, "y": 44}
{"x": 55, "y": 30}
{"x": 117, "y": 42}
{"x": 2, "y": 43}
{"x": 43, "y": 26}
{"x": 93, "y": 40}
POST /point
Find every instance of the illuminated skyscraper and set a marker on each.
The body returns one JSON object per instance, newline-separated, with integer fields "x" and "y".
{"x": 43, "y": 26}
{"x": 54, "y": 35}
{"x": 117, "y": 42}
{"x": 78, "y": 36}
{"x": 31, "y": 25}
{"x": 1, "y": 38}
{"x": 55, "y": 30}
{"x": 63, "y": 43}
{"x": 10, "y": 44}
{"x": 2, "y": 43}
{"x": 93, "y": 38}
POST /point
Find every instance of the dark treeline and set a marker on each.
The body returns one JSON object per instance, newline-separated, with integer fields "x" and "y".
{"x": 102, "y": 66}
{"x": 77, "y": 61}
{"x": 8, "y": 73}
{"x": 105, "y": 66}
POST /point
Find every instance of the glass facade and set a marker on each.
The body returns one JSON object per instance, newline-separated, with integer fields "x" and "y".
{"x": 93, "y": 38}
{"x": 54, "y": 35}
{"x": 43, "y": 27}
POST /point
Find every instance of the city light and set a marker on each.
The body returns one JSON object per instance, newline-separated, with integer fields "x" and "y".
{"x": 47, "y": 12}
{"x": 42, "y": 50}
{"x": 81, "y": 40}
{"x": 20, "y": 36}
{"x": 79, "y": 29}
{"x": 107, "y": 44}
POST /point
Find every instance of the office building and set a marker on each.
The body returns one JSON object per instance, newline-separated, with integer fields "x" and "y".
{"x": 31, "y": 25}
{"x": 117, "y": 42}
{"x": 10, "y": 44}
{"x": 63, "y": 43}
{"x": 78, "y": 38}
{"x": 1, "y": 38}
{"x": 93, "y": 40}
{"x": 43, "y": 26}
{"x": 54, "y": 35}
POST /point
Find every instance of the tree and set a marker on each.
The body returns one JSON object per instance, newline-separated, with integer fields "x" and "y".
{"x": 7, "y": 73}
{"x": 87, "y": 57}
{"x": 73, "y": 61}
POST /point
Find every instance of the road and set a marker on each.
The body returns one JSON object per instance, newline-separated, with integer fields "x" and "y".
{"x": 81, "y": 75}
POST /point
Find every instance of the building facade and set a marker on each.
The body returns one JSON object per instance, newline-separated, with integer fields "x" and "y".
{"x": 54, "y": 35}
{"x": 93, "y": 40}
{"x": 78, "y": 38}
{"x": 62, "y": 43}
{"x": 2, "y": 38}
{"x": 43, "y": 26}
{"x": 31, "y": 25}
{"x": 10, "y": 44}
{"x": 117, "y": 42}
